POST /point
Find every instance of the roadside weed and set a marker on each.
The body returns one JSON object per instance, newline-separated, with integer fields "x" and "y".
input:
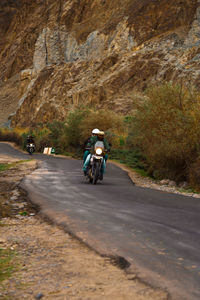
{"x": 7, "y": 266}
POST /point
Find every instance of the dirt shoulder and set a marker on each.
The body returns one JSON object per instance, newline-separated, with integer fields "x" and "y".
{"x": 45, "y": 262}
{"x": 163, "y": 185}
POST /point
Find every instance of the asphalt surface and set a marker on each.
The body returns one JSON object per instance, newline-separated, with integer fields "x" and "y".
{"x": 157, "y": 232}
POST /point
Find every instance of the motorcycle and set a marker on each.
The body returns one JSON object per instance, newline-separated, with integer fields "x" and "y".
{"x": 96, "y": 164}
{"x": 30, "y": 148}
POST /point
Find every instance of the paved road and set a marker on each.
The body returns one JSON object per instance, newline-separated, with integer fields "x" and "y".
{"x": 157, "y": 232}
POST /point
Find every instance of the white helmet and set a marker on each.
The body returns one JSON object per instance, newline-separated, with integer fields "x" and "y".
{"x": 95, "y": 131}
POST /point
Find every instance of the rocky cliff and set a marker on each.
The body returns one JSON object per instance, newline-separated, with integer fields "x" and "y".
{"x": 57, "y": 54}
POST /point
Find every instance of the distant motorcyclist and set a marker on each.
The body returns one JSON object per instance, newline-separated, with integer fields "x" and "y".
{"x": 87, "y": 144}
{"x": 98, "y": 137}
{"x": 30, "y": 144}
{"x": 30, "y": 140}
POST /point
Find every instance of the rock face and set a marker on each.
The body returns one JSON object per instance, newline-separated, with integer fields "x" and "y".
{"x": 58, "y": 54}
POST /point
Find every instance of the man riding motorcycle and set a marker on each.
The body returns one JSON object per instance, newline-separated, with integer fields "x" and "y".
{"x": 88, "y": 143}
{"x": 98, "y": 137}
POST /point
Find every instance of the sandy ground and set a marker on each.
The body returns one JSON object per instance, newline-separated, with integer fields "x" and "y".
{"x": 48, "y": 262}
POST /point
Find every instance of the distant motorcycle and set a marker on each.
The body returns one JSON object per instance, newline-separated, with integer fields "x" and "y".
{"x": 95, "y": 168}
{"x": 30, "y": 148}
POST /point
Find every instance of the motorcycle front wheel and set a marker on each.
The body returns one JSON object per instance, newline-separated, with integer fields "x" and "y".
{"x": 95, "y": 172}
{"x": 90, "y": 175}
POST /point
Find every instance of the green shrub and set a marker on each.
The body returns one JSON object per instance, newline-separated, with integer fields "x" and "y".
{"x": 56, "y": 129}
{"x": 73, "y": 129}
{"x": 166, "y": 127}
{"x": 194, "y": 175}
{"x": 109, "y": 122}
{"x": 9, "y": 135}
{"x": 4, "y": 167}
{"x": 42, "y": 142}
{"x": 132, "y": 158}
{"x": 7, "y": 263}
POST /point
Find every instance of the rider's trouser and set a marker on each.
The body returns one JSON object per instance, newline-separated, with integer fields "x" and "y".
{"x": 85, "y": 155}
{"x": 87, "y": 161}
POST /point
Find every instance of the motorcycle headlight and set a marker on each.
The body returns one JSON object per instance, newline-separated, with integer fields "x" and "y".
{"x": 99, "y": 151}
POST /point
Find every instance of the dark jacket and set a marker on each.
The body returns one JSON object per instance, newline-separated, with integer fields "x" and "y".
{"x": 30, "y": 140}
{"x": 87, "y": 143}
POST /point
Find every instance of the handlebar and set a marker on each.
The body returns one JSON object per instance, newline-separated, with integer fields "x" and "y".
{"x": 105, "y": 150}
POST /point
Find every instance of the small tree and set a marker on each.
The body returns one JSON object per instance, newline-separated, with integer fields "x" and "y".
{"x": 73, "y": 128}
